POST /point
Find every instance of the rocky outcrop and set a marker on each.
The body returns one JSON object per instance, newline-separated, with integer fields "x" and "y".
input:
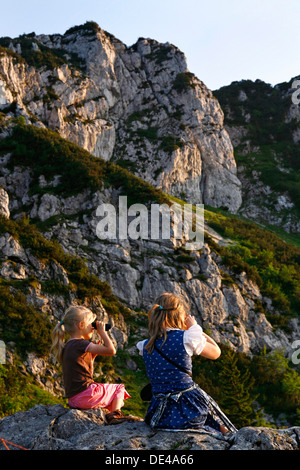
{"x": 138, "y": 106}
{"x": 58, "y": 428}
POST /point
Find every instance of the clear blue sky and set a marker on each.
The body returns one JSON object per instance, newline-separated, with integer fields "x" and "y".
{"x": 223, "y": 40}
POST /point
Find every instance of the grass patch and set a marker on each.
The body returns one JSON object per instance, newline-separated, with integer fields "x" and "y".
{"x": 184, "y": 81}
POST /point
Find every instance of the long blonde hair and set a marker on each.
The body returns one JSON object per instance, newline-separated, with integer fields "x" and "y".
{"x": 73, "y": 315}
{"x": 169, "y": 311}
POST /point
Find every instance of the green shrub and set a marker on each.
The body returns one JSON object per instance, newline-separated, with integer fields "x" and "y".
{"x": 183, "y": 82}
{"x": 170, "y": 143}
{"x": 88, "y": 28}
{"x": 150, "y": 133}
{"x": 22, "y": 323}
{"x": 19, "y": 393}
{"x": 268, "y": 129}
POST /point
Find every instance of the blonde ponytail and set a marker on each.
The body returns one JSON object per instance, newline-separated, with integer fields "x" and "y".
{"x": 73, "y": 315}
{"x": 58, "y": 341}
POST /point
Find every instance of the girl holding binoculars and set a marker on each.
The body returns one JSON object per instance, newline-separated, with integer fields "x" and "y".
{"x": 77, "y": 356}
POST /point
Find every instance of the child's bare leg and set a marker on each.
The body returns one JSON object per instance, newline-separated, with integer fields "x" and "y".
{"x": 116, "y": 404}
{"x": 115, "y": 416}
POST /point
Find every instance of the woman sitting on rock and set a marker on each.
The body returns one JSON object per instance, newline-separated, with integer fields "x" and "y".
{"x": 177, "y": 402}
{"x": 77, "y": 357}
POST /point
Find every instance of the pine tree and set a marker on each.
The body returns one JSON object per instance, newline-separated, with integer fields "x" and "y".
{"x": 236, "y": 401}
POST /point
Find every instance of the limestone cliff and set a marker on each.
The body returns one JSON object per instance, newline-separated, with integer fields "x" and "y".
{"x": 139, "y": 270}
{"x": 138, "y": 105}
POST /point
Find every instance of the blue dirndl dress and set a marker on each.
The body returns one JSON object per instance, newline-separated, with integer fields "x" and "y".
{"x": 177, "y": 402}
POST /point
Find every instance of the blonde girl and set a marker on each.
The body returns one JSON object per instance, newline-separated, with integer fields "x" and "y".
{"x": 177, "y": 402}
{"x": 77, "y": 356}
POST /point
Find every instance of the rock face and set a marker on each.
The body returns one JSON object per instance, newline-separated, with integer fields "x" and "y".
{"x": 255, "y": 132}
{"x": 58, "y": 428}
{"x": 138, "y": 106}
{"x": 136, "y": 270}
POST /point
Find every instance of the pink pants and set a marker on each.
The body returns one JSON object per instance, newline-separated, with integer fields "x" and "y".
{"x": 98, "y": 396}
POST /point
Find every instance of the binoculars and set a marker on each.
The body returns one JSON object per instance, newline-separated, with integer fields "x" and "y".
{"x": 107, "y": 326}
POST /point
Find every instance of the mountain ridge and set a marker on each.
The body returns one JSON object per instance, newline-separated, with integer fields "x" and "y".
{"x": 138, "y": 106}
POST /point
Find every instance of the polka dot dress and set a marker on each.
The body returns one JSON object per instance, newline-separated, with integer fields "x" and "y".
{"x": 177, "y": 402}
